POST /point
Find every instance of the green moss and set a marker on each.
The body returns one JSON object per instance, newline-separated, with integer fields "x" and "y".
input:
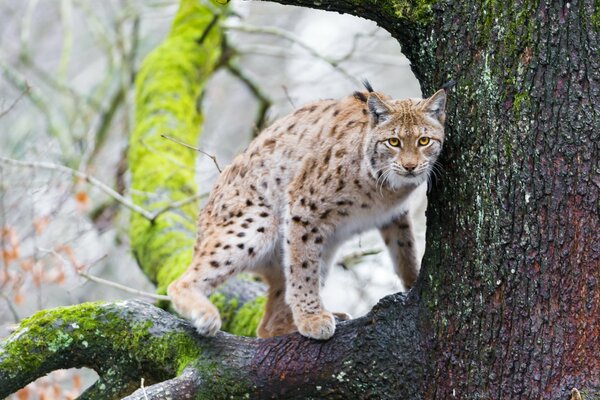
{"x": 241, "y": 320}
{"x": 91, "y": 334}
{"x": 168, "y": 87}
{"x": 595, "y": 18}
{"x": 247, "y": 318}
{"x": 227, "y": 308}
{"x": 417, "y": 11}
{"x": 520, "y": 100}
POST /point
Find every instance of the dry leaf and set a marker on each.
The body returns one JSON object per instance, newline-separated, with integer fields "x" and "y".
{"x": 18, "y": 298}
{"x": 68, "y": 251}
{"x": 26, "y": 264}
{"x": 39, "y": 224}
{"x": 82, "y": 200}
{"x": 37, "y": 274}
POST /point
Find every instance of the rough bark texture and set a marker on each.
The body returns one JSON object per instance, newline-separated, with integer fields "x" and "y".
{"x": 507, "y": 303}
{"x": 130, "y": 340}
{"x": 513, "y": 261}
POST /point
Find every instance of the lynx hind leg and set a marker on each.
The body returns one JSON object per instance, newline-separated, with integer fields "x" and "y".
{"x": 400, "y": 241}
{"x": 222, "y": 253}
{"x": 277, "y": 319}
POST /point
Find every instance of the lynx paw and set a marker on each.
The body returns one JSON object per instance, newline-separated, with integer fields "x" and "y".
{"x": 207, "y": 321}
{"x": 316, "y": 326}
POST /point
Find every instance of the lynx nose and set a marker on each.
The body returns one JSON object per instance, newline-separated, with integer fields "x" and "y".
{"x": 410, "y": 167}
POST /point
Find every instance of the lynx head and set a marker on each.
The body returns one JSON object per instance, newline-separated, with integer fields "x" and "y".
{"x": 405, "y": 138}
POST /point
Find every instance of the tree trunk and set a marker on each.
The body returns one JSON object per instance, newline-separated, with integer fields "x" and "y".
{"x": 507, "y": 302}
{"x": 512, "y": 267}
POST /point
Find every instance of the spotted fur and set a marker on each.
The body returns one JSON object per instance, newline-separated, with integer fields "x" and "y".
{"x": 315, "y": 177}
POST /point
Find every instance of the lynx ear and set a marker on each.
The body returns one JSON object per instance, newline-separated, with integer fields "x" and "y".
{"x": 379, "y": 110}
{"x": 435, "y": 106}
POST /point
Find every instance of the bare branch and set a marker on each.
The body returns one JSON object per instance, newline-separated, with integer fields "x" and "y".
{"x": 335, "y": 64}
{"x": 264, "y": 102}
{"x": 11, "y": 307}
{"x": 124, "y": 288}
{"x": 287, "y": 95}
{"x": 356, "y": 257}
{"x": 82, "y": 175}
{"x": 16, "y": 101}
{"x": 177, "y": 204}
{"x": 79, "y": 270}
{"x": 189, "y": 146}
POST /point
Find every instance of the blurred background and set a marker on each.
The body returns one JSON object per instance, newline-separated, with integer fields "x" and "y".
{"x": 67, "y": 69}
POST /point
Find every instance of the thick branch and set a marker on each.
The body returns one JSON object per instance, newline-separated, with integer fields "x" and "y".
{"x": 184, "y": 386}
{"x": 409, "y": 21}
{"x": 379, "y": 11}
{"x": 113, "y": 339}
{"x": 375, "y": 356}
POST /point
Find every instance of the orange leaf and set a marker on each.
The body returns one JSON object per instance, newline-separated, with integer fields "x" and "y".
{"x": 81, "y": 197}
{"x": 37, "y": 274}
{"x": 56, "y": 275}
{"x": 68, "y": 251}
{"x": 10, "y": 235}
{"x": 40, "y": 224}
{"x": 9, "y": 255}
{"x": 27, "y": 264}
{"x": 82, "y": 200}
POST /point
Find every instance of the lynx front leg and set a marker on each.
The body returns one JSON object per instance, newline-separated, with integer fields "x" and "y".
{"x": 400, "y": 241}
{"x": 304, "y": 251}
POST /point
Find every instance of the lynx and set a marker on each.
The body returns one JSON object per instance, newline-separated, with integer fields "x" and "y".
{"x": 329, "y": 170}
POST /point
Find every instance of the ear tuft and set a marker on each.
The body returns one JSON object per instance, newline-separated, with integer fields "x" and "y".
{"x": 435, "y": 106}
{"x": 379, "y": 110}
{"x": 367, "y": 85}
{"x": 360, "y": 96}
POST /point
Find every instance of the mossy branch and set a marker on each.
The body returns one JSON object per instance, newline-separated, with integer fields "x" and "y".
{"x": 168, "y": 89}
{"x": 127, "y": 341}
{"x": 382, "y": 11}
{"x": 122, "y": 342}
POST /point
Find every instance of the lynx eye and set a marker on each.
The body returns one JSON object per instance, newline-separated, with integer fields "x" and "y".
{"x": 394, "y": 142}
{"x": 424, "y": 141}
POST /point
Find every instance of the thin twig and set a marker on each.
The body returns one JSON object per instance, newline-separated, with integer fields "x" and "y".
{"x": 93, "y": 278}
{"x": 177, "y": 204}
{"x": 356, "y": 257}
{"x": 189, "y": 146}
{"x": 264, "y": 102}
{"x": 210, "y": 25}
{"x": 287, "y": 95}
{"x": 144, "y": 389}
{"x": 16, "y": 101}
{"x": 11, "y": 307}
{"x": 88, "y": 178}
{"x": 149, "y": 215}
{"x": 124, "y": 288}
{"x": 335, "y": 64}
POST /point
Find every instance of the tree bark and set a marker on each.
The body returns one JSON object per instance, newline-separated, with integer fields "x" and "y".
{"x": 507, "y": 302}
